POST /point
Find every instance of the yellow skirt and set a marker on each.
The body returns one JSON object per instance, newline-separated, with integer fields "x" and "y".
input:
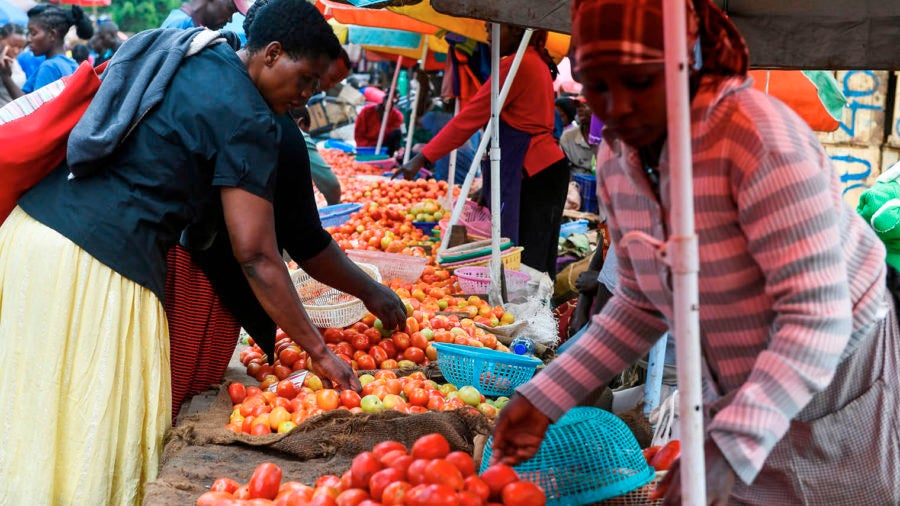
{"x": 85, "y": 389}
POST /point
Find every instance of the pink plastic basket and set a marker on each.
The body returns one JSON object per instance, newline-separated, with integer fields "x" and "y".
{"x": 407, "y": 268}
{"x": 477, "y": 279}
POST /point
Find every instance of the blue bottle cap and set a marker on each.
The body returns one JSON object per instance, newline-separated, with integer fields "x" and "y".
{"x": 519, "y": 348}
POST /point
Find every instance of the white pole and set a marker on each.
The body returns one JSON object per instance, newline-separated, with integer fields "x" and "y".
{"x": 415, "y": 106}
{"x": 388, "y": 107}
{"x": 451, "y": 170}
{"x": 494, "y": 295}
{"x": 684, "y": 254}
{"x": 476, "y": 160}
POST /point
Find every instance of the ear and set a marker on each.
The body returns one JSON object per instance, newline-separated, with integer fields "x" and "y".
{"x": 273, "y": 52}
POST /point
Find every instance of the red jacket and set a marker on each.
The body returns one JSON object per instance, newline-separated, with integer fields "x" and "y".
{"x": 368, "y": 124}
{"x": 529, "y": 108}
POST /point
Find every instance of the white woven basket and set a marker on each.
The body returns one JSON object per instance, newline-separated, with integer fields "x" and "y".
{"x": 328, "y": 307}
{"x": 406, "y": 268}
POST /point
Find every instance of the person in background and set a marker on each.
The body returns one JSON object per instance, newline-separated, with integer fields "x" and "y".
{"x": 431, "y": 123}
{"x": 534, "y": 173}
{"x": 566, "y": 109}
{"x": 80, "y": 53}
{"x": 574, "y": 141}
{"x": 83, "y": 259}
{"x": 105, "y": 42}
{"x": 29, "y": 62}
{"x": 322, "y": 175}
{"x": 213, "y": 14}
{"x": 368, "y": 126}
{"x": 799, "y": 332}
{"x": 47, "y": 28}
{"x": 12, "y": 77}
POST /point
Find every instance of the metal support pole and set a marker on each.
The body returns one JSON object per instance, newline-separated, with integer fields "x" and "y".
{"x": 388, "y": 107}
{"x": 684, "y": 254}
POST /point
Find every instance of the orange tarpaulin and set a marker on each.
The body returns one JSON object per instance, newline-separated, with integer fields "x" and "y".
{"x": 798, "y": 93}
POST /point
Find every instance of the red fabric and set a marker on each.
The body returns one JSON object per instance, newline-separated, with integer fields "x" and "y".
{"x": 368, "y": 124}
{"x": 202, "y": 332}
{"x": 563, "y": 314}
{"x": 528, "y": 108}
{"x": 40, "y": 137}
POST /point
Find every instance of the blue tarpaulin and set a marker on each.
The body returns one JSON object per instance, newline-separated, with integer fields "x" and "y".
{"x": 9, "y": 13}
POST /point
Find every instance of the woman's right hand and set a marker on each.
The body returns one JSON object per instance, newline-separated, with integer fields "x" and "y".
{"x": 519, "y": 432}
{"x": 329, "y": 367}
{"x": 411, "y": 168}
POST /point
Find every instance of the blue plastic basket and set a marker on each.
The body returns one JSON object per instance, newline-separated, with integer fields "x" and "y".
{"x": 493, "y": 372}
{"x": 425, "y": 226}
{"x": 573, "y": 227}
{"x": 370, "y": 151}
{"x": 588, "y": 456}
{"x": 337, "y": 214}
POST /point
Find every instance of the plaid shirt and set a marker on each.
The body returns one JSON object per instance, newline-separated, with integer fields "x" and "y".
{"x": 789, "y": 276}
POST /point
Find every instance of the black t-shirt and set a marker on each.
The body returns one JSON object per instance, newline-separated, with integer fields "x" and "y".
{"x": 297, "y": 227}
{"x": 213, "y": 129}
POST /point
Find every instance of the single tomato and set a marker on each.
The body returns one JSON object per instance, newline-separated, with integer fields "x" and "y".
{"x": 498, "y": 476}
{"x": 523, "y": 493}
{"x": 237, "y": 392}
{"x": 265, "y": 482}
{"x": 431, "y": 446}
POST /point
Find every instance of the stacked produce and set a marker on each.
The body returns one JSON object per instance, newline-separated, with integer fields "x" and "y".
{"x": 428, "y": 474}
{"x": 379, "y": 227}
{"x": 344, "y": 165}
{"x": 281, "y": 406}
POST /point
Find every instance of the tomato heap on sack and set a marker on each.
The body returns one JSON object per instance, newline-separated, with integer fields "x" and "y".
{"x": 259, "y": 411}
{"x": 429, "y": 474}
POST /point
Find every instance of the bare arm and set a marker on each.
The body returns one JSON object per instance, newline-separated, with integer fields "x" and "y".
{"x": 250, "y": 223}
{"x": 333, "y": 268}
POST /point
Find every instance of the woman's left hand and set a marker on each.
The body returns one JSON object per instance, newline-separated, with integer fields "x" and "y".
{"x": 387, "y": 306}
{"x": 719, "y": 478}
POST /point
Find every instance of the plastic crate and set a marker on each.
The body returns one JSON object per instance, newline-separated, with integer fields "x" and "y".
{"x": 477, "y": 279}
{"x": 329, "y": 307}
{"x": 588, "y": 456}
{"x": 588, "y": 185}
{"x": 590, "y": 206}
{"x": 383, "y": 162}
{"x": 406, "y": 268}
{"x": 493, "y": 372}
{"x": 337, "y": 214}
{"x": 573, "y": 227}
{"x": 511, "y": 259}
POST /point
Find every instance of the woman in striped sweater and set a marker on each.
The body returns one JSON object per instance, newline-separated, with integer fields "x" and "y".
{"x": 797, "y": 328}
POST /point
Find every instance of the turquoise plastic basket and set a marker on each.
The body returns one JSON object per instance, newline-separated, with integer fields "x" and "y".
{"x": 588, "y": 456}
{"x": 493, "y": 372}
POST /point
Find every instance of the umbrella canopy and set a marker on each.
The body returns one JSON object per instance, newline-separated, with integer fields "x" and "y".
{"x": 9, "y": 13}
{"x": 83, "y": 3}
{"x": 825, "y": 34}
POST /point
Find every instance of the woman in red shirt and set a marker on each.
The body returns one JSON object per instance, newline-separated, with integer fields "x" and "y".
{"x": 533, "y": 170}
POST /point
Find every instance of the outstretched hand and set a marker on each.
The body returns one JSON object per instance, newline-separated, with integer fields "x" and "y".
{"x": 332, "y": 369}
{"x": 387, "y": 306}
{"x": 411, "y": 168}
{"x": 519, "y": 432}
